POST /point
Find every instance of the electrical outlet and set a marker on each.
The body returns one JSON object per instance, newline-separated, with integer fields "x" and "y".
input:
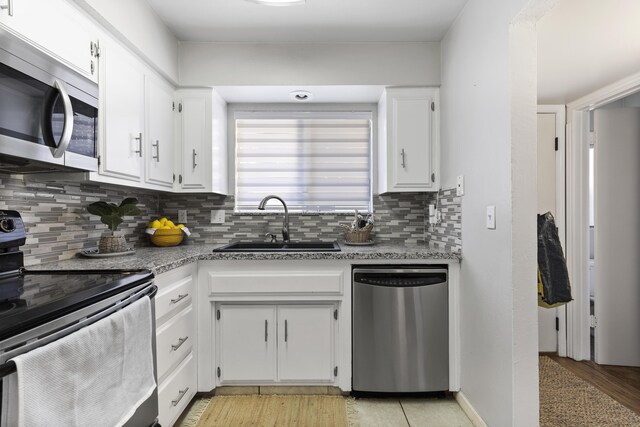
{"x": 182, "y": 216}
{"x": 460, "y": 185}
{"x": 491, "y": 217}
{"x": 434, "y": 215}
{"x": 217, "y": 217}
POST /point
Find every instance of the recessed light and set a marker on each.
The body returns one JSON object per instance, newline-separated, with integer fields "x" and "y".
{"x": 301, "y": 95}
{"x": 279, "y": 2}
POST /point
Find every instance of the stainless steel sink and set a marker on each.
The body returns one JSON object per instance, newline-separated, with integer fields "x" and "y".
{"x": 280, "y": 247}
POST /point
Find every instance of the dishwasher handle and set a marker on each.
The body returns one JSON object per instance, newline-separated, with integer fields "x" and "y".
{"x": 399, "y": 278}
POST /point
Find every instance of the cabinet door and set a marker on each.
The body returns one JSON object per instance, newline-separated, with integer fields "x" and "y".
{"x": 57, "y": 28}
{"x": 306, "y": 343}
{"x": 122, "y": 112}
{"x": 160, "y": 138}
{"x": 247, "y": 343}
{"x": 195, "y": 131}
{"x": 411, "y": 140}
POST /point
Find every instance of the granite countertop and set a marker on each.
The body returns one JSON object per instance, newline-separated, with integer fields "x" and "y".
{"x": 160, "y": 260}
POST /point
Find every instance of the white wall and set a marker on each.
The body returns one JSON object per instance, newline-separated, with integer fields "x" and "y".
{"x": 488, "y": 98}
{"x": 136, "y": 24}
{"x": 584, "y": 45}
{"x": 389, "y": 64}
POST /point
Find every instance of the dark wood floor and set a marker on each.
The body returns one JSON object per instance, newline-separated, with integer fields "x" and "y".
{"x": 622, "y": 383}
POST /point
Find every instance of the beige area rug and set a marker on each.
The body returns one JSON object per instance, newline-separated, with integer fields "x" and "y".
{"x": 568, "y": 401}
{"x": 270, "y": 411}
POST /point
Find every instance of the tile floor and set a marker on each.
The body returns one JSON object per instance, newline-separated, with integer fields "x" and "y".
{"x": 410, "y": 412}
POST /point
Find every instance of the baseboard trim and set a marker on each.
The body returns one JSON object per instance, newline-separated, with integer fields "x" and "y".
{"x": 469, "y": 410}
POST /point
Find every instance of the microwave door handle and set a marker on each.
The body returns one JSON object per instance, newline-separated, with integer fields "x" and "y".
{"x": 67, "y": 130}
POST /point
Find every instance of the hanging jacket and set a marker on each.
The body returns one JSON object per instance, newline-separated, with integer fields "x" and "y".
{"x": 554, "y": 288}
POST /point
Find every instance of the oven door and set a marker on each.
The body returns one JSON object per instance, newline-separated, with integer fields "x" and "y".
{"x": 43, "y": 118}
{"x": 147, "y": 413}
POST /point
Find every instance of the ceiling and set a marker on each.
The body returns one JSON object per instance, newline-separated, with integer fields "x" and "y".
{"x": 584, "y": 45}
{"x": 316, "y": 21}
{"x": 319, "y": 94}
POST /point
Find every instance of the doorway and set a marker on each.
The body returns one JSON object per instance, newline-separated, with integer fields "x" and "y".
{"x": 608, "y": 120}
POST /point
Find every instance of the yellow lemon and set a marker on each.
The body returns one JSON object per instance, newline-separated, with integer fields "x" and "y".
{"x": 180, "y": 226}
{"x": 163, "y": 220}
{"x": 165, "y": 227}
{"x": 155, "y": 224}
{"x": 169, "y": 223}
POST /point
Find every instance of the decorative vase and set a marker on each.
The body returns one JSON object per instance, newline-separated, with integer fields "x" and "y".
{"x": 110, "y": 243}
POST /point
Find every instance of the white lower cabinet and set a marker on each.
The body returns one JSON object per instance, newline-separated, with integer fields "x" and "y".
{"x": 283, "y": 343}
{"x": 247, "y": 343}
{"x": 176, "y": 342}
{"x": 306, "y": 343}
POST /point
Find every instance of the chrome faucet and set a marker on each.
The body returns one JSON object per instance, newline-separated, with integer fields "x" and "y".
{"x": 285, "y": 224}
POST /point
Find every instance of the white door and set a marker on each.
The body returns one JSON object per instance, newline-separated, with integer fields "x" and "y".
{"x": 195, "y": 130}
{"x": 547, "y": 333}
{"x": 305, "y": 343}
{"x": 160, "y": 137}
{"x": 247, "y": 343}
{"x": 617, "y": 236}
{"x": 411, "y": 140}
{"x": 56, "y": 27}
{"x": 122, "y": 109}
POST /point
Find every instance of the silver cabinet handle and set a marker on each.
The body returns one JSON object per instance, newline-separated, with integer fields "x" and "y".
{"x": 403, "y": 162}
{"x": 181, "y": 394}
{"x": 67, "y": 129}
{"x": 139, "y": 139}
{"x": 181, "y": 341}
{"x": 157, "y": 145}
{"x": 266, "y": 332}
{"x": 193, "y": 157}
{"x": 8, "y": 6}
{"x": 180, "y": 298}
{"x": 286, "y": 331}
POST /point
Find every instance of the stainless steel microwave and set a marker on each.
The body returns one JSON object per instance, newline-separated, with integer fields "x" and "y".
{"x": 48, "y": 112}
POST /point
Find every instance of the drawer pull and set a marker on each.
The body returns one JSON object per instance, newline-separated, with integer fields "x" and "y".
{"x": 180, "y": 298}
{"x": 181, "y": 394}
{"x": 181, "y": 341}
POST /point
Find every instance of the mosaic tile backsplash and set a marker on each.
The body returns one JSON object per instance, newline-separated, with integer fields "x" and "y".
{"x": 398, "y": 218}
{"x": 447, "y": 235}
{"x": 59, "y": 226}
{"x": 57, "y": 223}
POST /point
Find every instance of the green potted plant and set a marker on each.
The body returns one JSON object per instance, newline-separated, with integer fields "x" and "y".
{"x": 113, "y": 215}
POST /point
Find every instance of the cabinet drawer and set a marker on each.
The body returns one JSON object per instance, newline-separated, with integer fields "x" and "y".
{"x": 173, "y": 298}
{"x": 276, "y": 282}
{"x": 174, "y": 340}
{"x": 175, "y": 393}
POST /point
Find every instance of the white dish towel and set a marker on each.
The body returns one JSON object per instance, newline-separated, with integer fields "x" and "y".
{"x": 96, "y": 376}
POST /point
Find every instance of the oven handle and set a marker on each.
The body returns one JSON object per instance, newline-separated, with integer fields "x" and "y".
{"x": 57, "y": 148}
{"x": 9, "y": 367}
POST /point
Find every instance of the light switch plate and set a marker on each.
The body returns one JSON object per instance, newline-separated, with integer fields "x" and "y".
{"x": 460, "y": 185}
{"x": 182, "y": 216}
{"x": 217, "y": 217}
{"x": 491, "y": 217}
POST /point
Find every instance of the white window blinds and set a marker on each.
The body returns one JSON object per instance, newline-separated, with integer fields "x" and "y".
{"x": 316, "y": 163}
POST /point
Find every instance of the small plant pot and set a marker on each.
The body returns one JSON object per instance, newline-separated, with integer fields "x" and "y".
{"x": 110, "y": 243}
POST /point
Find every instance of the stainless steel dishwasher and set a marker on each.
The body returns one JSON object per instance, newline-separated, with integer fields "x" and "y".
{"x": 400, "y": 329}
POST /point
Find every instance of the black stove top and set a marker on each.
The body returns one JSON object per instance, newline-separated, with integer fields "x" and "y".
{"x": 31, "y": 298}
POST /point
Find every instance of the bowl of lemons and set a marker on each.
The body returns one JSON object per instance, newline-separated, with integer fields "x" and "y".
{"x": 165, "y": 232}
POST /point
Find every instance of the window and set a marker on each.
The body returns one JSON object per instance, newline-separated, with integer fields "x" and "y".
{"x": 316, "y": 162}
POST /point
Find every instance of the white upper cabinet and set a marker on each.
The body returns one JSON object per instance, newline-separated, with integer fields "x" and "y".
{"x": 408, "y": 140}
{"x": 201, "y": 152}
{"x": 160, "y": 147}
{"x": 121, "y": 114}
{"x": 137, "y": 137}
{"x": 57, "y": 28}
